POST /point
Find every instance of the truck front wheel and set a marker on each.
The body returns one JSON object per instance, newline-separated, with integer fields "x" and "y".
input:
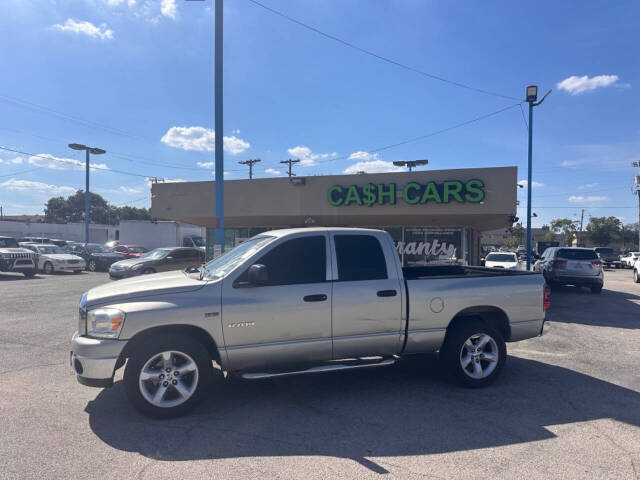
{"x": 168, "y": 376}
{"x": 475, "y": 353}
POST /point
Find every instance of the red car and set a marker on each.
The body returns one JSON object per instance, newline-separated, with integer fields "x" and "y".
{"x": 130, "y": 251}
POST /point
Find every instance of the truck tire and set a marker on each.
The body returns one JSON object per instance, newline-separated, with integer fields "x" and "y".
{"x": 92, "y": 266}
{"x": 168, "y": 375}
{"x": 475, "y": 353}
{"x": 47, "y": 268}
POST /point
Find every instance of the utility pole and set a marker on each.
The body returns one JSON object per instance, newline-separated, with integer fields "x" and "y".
{"x": 580, "y": 242}
{"x": 250, "y": 162}
{"x": 290, "y": 162}
{"x": 532, "y": 96}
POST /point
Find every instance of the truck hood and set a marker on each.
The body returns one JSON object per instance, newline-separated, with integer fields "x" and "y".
{"x": 142, "y": 286}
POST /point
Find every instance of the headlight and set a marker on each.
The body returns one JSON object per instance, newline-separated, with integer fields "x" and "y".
{"x": 105, "y": 322}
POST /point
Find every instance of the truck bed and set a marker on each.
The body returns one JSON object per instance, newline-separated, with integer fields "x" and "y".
{"x": 457, "y": 271}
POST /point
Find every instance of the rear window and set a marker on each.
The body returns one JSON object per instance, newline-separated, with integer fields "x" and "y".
{"x": 501, "y": 257}
{"x": 569, "y": 254}
{"x": 360, "y": 257}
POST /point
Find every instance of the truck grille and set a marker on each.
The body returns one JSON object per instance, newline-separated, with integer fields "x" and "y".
{"x": 18, "y": 255}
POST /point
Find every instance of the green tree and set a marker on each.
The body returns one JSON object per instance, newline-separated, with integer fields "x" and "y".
{"x": 549, "y": 236}
{"x": 565, "y": 227}
{"x": 603, "y": 230}
{"x": 71, "y": 209}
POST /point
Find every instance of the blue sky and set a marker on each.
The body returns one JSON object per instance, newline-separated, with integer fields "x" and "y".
{"x": 136, "y": 78}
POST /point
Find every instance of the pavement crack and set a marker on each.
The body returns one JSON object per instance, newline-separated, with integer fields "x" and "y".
{"x": 37, "y": 366}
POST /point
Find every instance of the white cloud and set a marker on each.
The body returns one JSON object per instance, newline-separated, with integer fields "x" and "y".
{"x": 201, "y": 139}
{"x": 272, "y": 171}
{"x": 55, "y": 163}
{"x": 115, "y": 3}
{"x": 306, "y": 156}
{"x": 577, "y": 85}
{"x": 587, "y": 199}
{"x": 373, "y": 166}
{"x": 235, "y": 132}
{"x": 130, "y": 190}
{"x": 86, "y": 28}
{"x": 534, "y": 184}
{"x": 363, "y": 156}
{"x": 206, "y": 164}
{"x": 15, "y": 160}
{"x": 587, "y": 186}
{"x": 30, "y": 186}
{"x": 168, "y": 8}
{"x": 570, "y": 163}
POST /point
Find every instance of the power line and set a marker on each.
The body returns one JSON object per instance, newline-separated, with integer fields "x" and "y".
{"x": 524, "y": 119}
{"x": 422, "y": 137}
{"x": 62, "y": 161}
{"x": 380, "y": 57}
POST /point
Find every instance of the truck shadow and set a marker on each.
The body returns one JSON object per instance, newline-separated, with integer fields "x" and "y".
{"x": 608, "y": 309}
{"x": 407, "y": 409}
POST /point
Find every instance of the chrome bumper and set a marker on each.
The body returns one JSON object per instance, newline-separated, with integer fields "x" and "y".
{"x": 94, "y": 360}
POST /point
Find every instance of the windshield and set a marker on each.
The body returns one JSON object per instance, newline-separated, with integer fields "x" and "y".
{"x": 96, "y": 248}
{"x": 501, "y": 257}
{"x": 8, "y": 243}
{"x": 157, "y": 254}
{"x": 50, "y": 249}
{"x": 221, "y": 266}
{"x": 198, "y": 241}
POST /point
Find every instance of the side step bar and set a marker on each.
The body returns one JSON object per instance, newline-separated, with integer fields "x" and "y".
{"x": 320, "y": 369}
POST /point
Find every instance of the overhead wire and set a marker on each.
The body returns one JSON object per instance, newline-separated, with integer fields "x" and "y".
{"x": 378, "y": 56}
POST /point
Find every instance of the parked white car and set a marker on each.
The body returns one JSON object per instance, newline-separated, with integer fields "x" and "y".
{"x": 636, "y": 271}
{"x": 507, "y": 260}
{"x": 630, "y": 259}
{"x": 52, "y": 258}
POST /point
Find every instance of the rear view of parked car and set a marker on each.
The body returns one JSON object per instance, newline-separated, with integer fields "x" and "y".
{"x": 609, "y": 257}
{"x": 158, "y": 260}
{"x": 129, "y": 251}
{"x": 51, "y": 258}
{"x": 571, "y": 266}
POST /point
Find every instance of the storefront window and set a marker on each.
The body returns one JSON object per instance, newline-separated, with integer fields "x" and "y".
{"x": 427, "y": 245}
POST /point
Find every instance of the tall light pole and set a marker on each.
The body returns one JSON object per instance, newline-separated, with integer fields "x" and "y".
{"x": 410, "y": 164}
{"x": 88, "y": 150}
{"x": 532, "y": 96}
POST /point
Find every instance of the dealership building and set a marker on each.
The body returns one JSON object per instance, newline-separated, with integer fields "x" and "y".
{"x": 432, "y": 215}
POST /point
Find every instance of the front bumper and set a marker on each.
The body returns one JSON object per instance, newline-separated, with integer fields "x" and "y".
{"x": 16, "y": 265}
{"x": 94, "y": 360}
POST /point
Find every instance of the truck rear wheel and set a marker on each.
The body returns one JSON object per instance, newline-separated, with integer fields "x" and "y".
{"x": 168, "y": 375}
{"x": 475, "y": 353}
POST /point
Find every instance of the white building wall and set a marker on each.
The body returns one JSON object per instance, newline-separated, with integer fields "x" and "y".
{"x": 65, "y": 231}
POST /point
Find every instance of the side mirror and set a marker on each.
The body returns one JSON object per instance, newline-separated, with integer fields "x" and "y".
{"x": 258, "y": 274}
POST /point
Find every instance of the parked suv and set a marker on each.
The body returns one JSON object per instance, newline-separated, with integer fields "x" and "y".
{"x": 571, "y": 266}
{"x": 16, "y": 259}
{"x": 609, "y": 257}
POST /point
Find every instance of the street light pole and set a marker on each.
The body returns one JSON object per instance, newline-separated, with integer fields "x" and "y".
{"x": 219, "y": 146}
{"x": 532, "y": 96}
{"x": 88, "y": 150}
{"x": 410, "y": 164}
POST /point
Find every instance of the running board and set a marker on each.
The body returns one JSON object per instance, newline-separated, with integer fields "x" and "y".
{"x": 320, "y": 369}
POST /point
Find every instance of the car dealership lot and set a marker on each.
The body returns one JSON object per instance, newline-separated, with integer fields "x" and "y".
{"x": 567, "y": 406}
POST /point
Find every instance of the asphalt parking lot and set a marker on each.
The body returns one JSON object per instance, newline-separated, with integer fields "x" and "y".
{"x": 566, "y": 406}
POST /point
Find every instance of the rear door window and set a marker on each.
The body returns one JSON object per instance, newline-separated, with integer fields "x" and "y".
{"x": 296, "y": 261}
{"x": 360, "y": 257}
{"x": 569, "y": 254}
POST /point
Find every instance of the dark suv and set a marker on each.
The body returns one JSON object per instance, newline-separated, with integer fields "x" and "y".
{"x": 13, "y": 258}
{"x": 609, "y": 257}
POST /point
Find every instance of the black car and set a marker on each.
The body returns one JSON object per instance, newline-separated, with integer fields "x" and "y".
{"x": 97, "y": 256}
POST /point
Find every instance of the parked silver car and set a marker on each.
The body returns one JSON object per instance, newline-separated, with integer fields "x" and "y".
{"x": 571, "y": 266}
{"x": 52, "y": 258}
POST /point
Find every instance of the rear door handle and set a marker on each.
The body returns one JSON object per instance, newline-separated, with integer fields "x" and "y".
{"x": 315, "y": 298}
{"x": 387, "y": 293}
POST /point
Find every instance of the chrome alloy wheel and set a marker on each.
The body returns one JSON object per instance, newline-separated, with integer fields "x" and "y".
{"x": 479, "y": 356}
{"x": 168, "y": 379}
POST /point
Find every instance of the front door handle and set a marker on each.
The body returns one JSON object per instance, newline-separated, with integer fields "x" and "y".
{"x": 387, "y": 293}
{"x": 315, "y": 298}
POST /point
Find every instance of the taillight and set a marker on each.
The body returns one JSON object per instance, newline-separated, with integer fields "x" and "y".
{"x": 546, "y": 293}
{"x": 596, "y": 262}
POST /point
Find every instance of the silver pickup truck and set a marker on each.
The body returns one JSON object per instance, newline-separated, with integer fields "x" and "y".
{"x": 299, "y": 301}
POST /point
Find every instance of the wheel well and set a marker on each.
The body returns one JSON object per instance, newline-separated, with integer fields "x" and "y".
{"x": 493, "y": 316}
{"x": 196, "y": 333}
